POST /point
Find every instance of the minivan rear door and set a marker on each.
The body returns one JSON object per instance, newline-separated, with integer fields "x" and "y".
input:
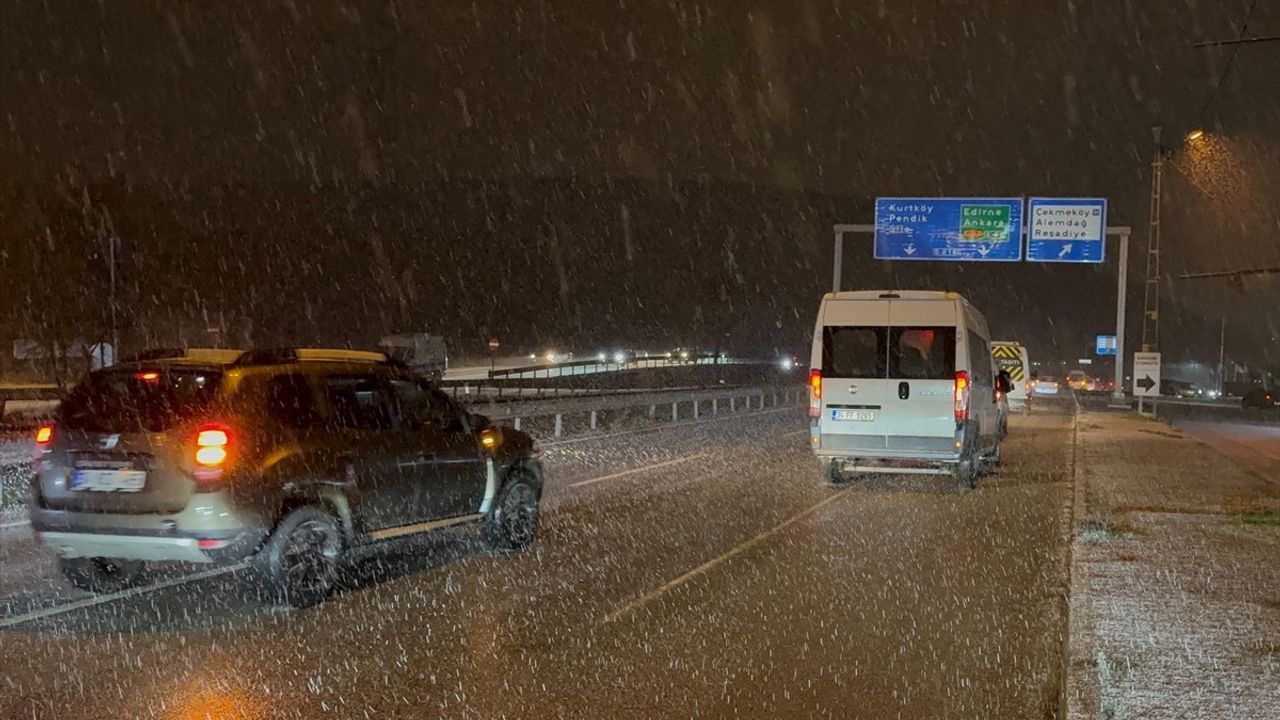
{"x": 922, "y": 366}
{"x": 855, "y": 390}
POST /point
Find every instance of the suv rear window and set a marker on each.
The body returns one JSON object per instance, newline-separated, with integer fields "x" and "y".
{"x": 908, "y": 353}
{"x": 138, "y": 400}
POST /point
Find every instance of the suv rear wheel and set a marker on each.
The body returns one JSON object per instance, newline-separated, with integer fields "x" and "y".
{"x": 300, "y": 561}
{"x": 100, "y": 575}
{"x": 513, "y": 521}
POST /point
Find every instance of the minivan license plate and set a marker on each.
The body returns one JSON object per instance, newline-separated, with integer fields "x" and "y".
{"x": 857, "y": 415}
{"x": 108, "y": 480}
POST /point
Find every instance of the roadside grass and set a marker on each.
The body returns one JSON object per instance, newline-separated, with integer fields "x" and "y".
{"x": 1261, "y": 518}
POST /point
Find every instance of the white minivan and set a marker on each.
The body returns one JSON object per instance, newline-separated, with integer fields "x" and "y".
{"x": 902, "y": 381}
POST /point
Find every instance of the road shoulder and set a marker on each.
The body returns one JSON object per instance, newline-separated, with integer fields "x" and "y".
{"x": 1175, "y": 588}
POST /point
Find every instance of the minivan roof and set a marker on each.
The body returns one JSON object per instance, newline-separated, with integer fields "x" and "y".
{"x": 895, "y": 295}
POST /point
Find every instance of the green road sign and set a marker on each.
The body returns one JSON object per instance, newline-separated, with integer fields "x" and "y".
{"x": 984, "y": 223}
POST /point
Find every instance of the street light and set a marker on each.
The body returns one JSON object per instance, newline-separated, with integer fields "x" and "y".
{"x": 1151, "y": 287}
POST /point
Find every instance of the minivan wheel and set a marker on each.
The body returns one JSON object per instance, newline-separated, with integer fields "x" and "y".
{"x": 300, "y": 561}
{"x": 513, "y": 521}
{"x": 966, "y": 472}
{"x": 100, "y": 575}
{"x": 833, "y": 473}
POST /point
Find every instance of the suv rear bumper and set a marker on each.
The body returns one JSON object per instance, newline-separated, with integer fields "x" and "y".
{"x": 72, "y": 539}
{"x": 124, "y": 547}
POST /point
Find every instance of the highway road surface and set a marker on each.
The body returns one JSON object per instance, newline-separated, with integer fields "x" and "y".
{"x": 701, "y": 571}
{"x": 1257, "y": 446}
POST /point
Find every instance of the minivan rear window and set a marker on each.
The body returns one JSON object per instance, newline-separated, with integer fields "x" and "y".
{"x": 853, "y": 351}
{"x": 907, "y": 353}
{"x": 135, "y": 400}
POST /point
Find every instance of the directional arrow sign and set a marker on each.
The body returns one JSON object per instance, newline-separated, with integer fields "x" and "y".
{"x": 1068, "y": 230}
{"x": 1146, "y": 374}
{"x": 977, "y": 229}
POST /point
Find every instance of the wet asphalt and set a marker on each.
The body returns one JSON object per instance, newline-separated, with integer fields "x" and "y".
{"x": 696, "y": 571}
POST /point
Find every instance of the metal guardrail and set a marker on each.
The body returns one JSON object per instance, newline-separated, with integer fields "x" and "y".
{"x": 575, "y": 368}
{"x": 665, "y": 406}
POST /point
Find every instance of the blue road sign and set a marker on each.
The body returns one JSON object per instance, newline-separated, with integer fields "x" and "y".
{"x": 1070, "y": 230}
{"x": 1105, "y": 345}
{"x": 981, "y": 229}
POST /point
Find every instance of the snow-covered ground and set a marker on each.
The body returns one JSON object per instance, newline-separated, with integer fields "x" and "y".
{"x": 1175, "y": 599}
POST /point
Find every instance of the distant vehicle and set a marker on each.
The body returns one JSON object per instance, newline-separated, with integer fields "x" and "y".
{"x": 427, "y": 354}
{"x": 286, "y": 458}
{"x": 1078, "y": 381}
{"x": 1177, "y": 388}
{"x": 1045, "y": 385}
{"x": 902, "y": 379}
{"x": 1258, "y": 398}
{"x": 1012, "y": 358}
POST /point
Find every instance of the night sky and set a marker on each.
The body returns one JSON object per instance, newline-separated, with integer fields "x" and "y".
{"x": 603, "y": 173}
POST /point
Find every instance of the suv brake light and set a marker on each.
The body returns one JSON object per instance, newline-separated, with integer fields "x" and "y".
{"x": 815, "y": 393}
{"x": 212, "y": 442}
{"x": 44, "y": 436}
{"x": 962, "y": 396}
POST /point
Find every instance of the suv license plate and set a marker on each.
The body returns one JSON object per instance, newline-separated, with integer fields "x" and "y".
{"x": 858, "y": 415}
{"x": 109, "y": 480}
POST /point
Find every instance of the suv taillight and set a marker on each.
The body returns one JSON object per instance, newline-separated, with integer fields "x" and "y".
{"x": 962, "y": 396}
{"x": 212, "y": 450}
{"x": 815, "y": 393}
{"x": 44, "y": 441}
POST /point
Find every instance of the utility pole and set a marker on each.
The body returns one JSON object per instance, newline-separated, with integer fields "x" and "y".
{"x": 115, "y": 330}
{"x": 1151, "y": 292}
{"x": 1222, "y": 348}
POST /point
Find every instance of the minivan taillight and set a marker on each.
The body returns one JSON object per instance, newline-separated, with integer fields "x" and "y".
{"x": 815, "y": 393}
{"x": 212, "y": 443}
{"x": 962, "y": 396}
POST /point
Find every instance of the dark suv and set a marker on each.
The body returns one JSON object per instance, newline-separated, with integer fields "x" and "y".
{"x": 284, "y": 457}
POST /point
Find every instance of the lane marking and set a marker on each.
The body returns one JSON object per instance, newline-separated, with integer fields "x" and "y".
{"x": 793, "y": 434}
{"x": 633, "y": 471}
{"x": 121, "y": 595}
{"x": 669, "y": 426}
{"x": 704, "y": 567}
{"x": 14, "y": 524}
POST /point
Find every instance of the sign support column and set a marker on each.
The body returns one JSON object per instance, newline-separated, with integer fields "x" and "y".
{"x": 840, "y": 230}
{"x": 1117, "y": 393}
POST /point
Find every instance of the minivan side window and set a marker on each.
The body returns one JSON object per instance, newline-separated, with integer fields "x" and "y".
{"x": 922, "y": 353}
{"x": 853, "y": 352}
{"x": 359, "y": 402}
{"x": 980, "y": 361}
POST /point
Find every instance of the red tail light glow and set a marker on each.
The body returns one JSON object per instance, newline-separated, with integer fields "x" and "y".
{"x": 212, "y": 443}
{"x": 149, "y": 376}
{"x": 44, "y": 435}
{"x": 962, "y": 396}
{"x": 815, "y": 393}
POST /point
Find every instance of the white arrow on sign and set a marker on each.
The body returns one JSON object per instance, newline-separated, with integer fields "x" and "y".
{"x": 910, "y": 249}
{"x": 1065, "y": 249}
{"x": 984, "y": 250}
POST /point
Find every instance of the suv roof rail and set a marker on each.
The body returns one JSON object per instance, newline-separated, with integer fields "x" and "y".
{"x": 276, "y": 356}
{"x": 220, "y": 356}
